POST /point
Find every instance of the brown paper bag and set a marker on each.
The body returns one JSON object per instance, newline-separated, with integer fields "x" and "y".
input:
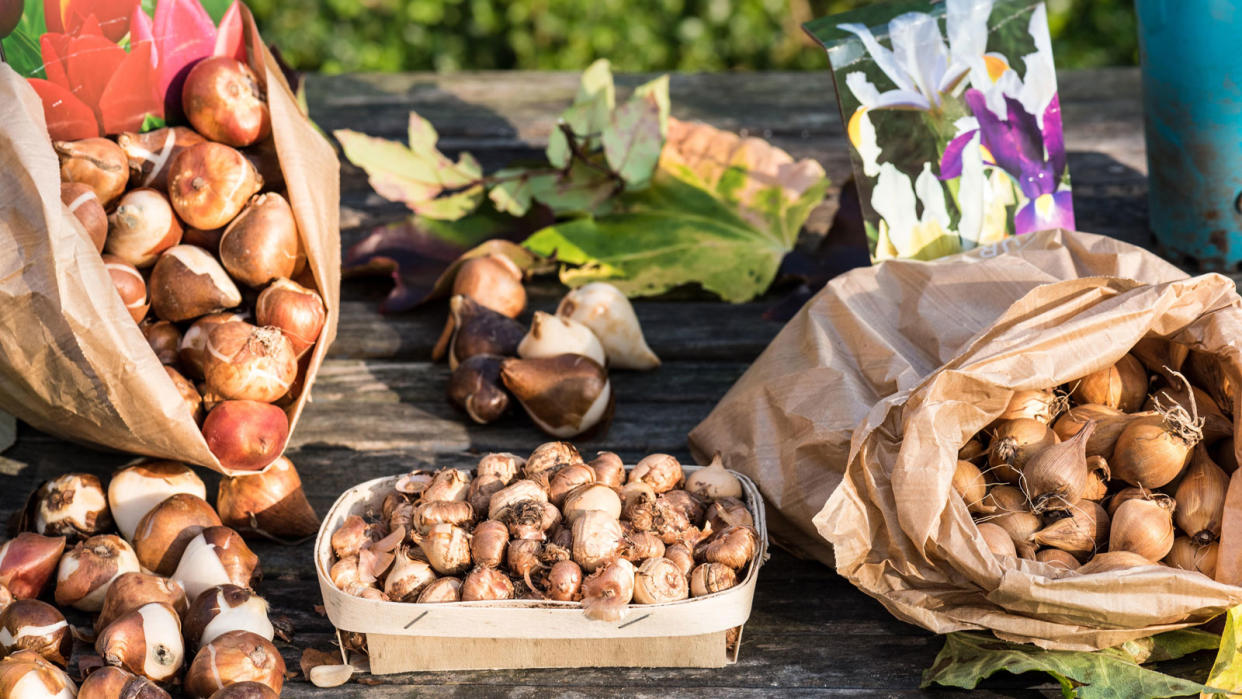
{"x": 72, "y": 361}
{"x": 867, "y": 394}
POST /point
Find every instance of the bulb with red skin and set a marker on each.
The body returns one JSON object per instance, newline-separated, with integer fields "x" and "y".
{"x": 298, "y": 312}
{"x": 222, "y": 98}
{"x": 130, "y": 285}
{"x": 246, "y": 435}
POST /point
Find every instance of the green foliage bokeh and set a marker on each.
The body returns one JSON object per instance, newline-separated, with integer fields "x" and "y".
{"x": 336, "y": 36}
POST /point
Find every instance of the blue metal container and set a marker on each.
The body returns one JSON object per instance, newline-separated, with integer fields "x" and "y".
{"x": 1192, "y": 101}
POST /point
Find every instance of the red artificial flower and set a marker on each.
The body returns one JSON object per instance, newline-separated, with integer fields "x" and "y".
{"x": 94, "y": 87}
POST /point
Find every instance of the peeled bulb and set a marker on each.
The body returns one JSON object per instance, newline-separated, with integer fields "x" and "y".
{"x": 236, "y": 656}
{"x": 71, "y": 505}
{"x": 87, "y": 571}
{"x": 270, "y": 503}
{"x": 130, "y": 591}
{"x": 187, "y": 283}
{"x": 27, "y": 675}
{"x": 135, "y": 490}
{"x": 216, "y": 556}
{"x": 565, "y": 395}
{"x": 110, "y": 682}
{"x": 607, "y": 591}
{"x": 164, "y": 532}
{"x": 551, "y": 335}
{"x": 225, "y": 608}
{"x": 146, "y": 641}
{"x": 714, "y": 481}
{"x": 29, "y": 624}
{"x": 607, "y": 312}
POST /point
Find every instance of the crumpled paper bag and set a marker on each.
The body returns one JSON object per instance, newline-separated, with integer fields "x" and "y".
{"x": 72, "y": 361}
{"x": 851, "y": 419}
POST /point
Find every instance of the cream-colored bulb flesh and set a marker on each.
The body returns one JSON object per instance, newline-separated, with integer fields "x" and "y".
{"x": 607, "y": 312}
{"x": 551, "y": 335}
{"x": 200, "y": 568}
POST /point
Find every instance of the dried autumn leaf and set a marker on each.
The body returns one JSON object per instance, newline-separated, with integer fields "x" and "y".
{"x": 419, "y": 176}
{"x": 313, "y": 657}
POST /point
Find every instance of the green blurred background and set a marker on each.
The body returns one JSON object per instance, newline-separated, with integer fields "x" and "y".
{"x": 336, "y": 36}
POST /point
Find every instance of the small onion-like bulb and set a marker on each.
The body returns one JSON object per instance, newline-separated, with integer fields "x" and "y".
{"x": 733, "y": 547}
{"x": 566, "y": 479}
{"x": 564, "y": 582}
{"x": 1200, "y": 498}
{"x": 1057, "y": 559}
{"x": 504, "y": 466}
{"x": 486, "y": 584}
{"x": 447, "y": 548}
{"x": 710, "y": 578}
{"x": 680, "y": 554}
{"x": 607, "y": 591}
{"x": 594, "y": 496}
{"x": 1081, "y": 533}
{"x": 441, "y": 590}
{"x": 597, "y": 539}
{"x": 1122, "y": 386}
{"x": 969, "y": 483}
{"x": 409, "y": 576}
{"x": 1152, "y": 450}
{"x": 1188, "y": 554}
{"x": 1015, "y": 441}
{"x": 448, "y": 485}
{"x": 997, "y": 540}
{"x": 714, "y": 481}
{"x": 489, "y": 542}
{"x": 661, "y": 471}
{"x": 515, "y": 492}
{"x": 1111, "y": 561}
{"x": 608, "y": 468}
{"x": 728, "y": 512}
{"x": 660, "y": 580}
{"x": 1143, "y": 526}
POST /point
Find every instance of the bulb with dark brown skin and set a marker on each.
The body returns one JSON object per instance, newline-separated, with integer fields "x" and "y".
{"x": 480, "y": 330}
{"x": 475, "y": 388}
{"x": 110, "y": 682}
{"x": 565, "y": 395}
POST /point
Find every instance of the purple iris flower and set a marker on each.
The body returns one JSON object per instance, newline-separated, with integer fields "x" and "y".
{"x": 1017, "y": 146}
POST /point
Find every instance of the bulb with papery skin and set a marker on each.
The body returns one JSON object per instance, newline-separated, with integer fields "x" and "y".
{"x": 86, "y": 572}
{"x": 236, "y": 656}
{"x": 111, "y": 682}
{"x": 149, "y": 154}
{"x": 218, "y": 610}
{"x": 270, "y": 503}
{"x": 222, "y": 98}
{"x": 216, "y": 556}
{"x": 28, "y": 624}
{"x": 130, "y": 591}
{"x": 27, "y": 562}
{"x": 164, "y": 532}
{"x": 71, "y": 505}
{"x": 97, "y": 163}
{"x": 27, "y": 675}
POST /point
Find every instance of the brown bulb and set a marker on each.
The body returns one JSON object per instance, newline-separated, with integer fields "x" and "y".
{"x": 130, "y": 285}
{"x": 141, "y": 227}
{"x": 475, "y": 387}
{"x": 209, "y": 183}
{"x": 84, "y": 204}
{"x": 270, "y": 503}
{"x": 97, "y": 163}
{"x": 187, "y": 282}
{"x": 261, "y": 244}
{"x": 298, "y": 312}
{"x": 565, "y": 395}
{"x": 163, "y": 533}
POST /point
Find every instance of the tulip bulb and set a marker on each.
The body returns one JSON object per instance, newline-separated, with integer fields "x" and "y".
{"x": 89, "y": 569}
{"x": 475, "y": 388}
{"x": 607, "y": 591}
{"x": 97, "y": 163}
{"x": 72, "y": 505}
{"x": 164, "y": 532}
{"x": 215, "y": 556}
{"x": 84, "y": 205}
{"x": 146, "y": 641}
{"x": 142, "y": 227}
{"x": 236, "y": 656}
{"x": 136, "y": 490}
{"x": 193, "y": 348}
{"x": 111, "y": 682}
{"x": 27, "y": 675}
{"x": 441, "y": 590}
{"x": 130, "y": 286}
{"x": 492, "y": 281}
{"x": 129, "y": 591}
{"x": 149, "y": 154}
{"x": 691, "y": 506}
{"x": 245, "y": 362}
{"x": 256, "y": 690}
{"x": 261, "y": 244}
{"x": 209, "y": 183}
{"x": 246, "y": 435}
{"x": 481, "y": 490}
{"x": 660, "y": 580}
{"x": 565, "y": 395}
{"x": 187, "y": 282}
{"x": 550, "y": 336}
{"x": 225, "y": 608}
{"x": 28, "y": 624}
{"x": 270, "y": 503}
{"x": 298, "y": 312}
{"x": 592, "y": 496}
{"x": 28, "y": 561}
{"x": 607, "y": 312}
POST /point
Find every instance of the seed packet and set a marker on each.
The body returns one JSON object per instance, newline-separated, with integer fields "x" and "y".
{"x": 953, "y": 120}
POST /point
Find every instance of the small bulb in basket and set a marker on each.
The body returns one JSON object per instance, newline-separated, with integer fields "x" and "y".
{"x": 711, "y": 577}
{"x": 607, "y": 591}
{"x": 733, "y": 547}
{"x": 714, "y": 481}
{"x": 550, "y": 456}
{"x": 441, "y": 590}
{"x": 609, "y": 469}
{"x": 597, "y": 539}
{"x": 447, "y": 548}
{"x": 660, "y": 471}
{"x": 564, "y": 582}
{"x": 592, "y": 496}
{"x": 660, "y": 580}
{"x": 486, "y": 584}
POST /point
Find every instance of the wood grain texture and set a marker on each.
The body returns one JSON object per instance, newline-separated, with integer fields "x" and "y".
{"x": 378, "y": 404}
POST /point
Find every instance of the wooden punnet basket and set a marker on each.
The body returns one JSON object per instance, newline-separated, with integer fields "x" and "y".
{"x": 404, "y": 637}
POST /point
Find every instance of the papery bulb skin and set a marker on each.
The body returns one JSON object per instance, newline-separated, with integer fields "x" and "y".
{"x": 29, "y": 624}
{"x": 218, "y": 610}
{"x": 72, "y": 505}
{"x": 129, "y": 591}
{"x": 110, "y": 682}
{"x": 87, "y": 571}
{"x": 136, "y": 490}
{"x": 146, "y": 641}
{"x": 236, "y": 656}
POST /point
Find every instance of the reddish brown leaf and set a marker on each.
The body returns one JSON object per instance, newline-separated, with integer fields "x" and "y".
{"x": 67, "y": 118}
{"x": 313, "y": 657}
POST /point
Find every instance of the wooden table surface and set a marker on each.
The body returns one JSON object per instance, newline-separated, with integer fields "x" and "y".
{"x": 378, "y": 404}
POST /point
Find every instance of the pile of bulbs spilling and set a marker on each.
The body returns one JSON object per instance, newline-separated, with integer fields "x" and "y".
{"x": 556, "y": 370}
{"x": 171, "y": 594}
{"x": 188, "y": 232}
{"x": 551, "y": 527}
{"x": 1133, "y": 474}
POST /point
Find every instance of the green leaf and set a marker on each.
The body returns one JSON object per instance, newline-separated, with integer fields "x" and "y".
{"x": 587, "y": 116}
{"x": 21, "y": 48}
{"x": 633, "y": 139}
{"x": 968, "y": 658}
{"x": 658, "y": 90}
{"x": 417, "y": 176}
{"x": 670, "y": 234}
{"x": 151, "y": 122}
{"x": 1227, "y": 670}
{"x": 512, "y": 195}
{"x": 585, "y": 188}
